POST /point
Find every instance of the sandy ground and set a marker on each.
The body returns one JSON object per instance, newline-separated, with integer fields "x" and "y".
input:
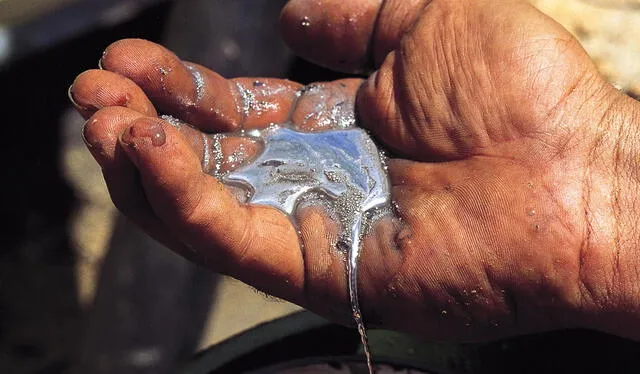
{"x": 608, "y": 30}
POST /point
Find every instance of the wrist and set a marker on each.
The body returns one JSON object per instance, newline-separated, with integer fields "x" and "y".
{"x": 610, "y": 258}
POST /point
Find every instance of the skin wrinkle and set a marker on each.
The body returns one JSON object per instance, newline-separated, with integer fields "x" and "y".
{"x": 389, "y": 105}
{"x": 466, "y": 77}
{"x": 486, "y": 244}
{"x": 494, "y": 132}
{"x": 381, "y": 242}
{"x": 603, "y": 127}
{"x": 363, "y": 105}
{"x": 615, "y": 202}
{"x": 635, "y": 292}
{"x": 189, "y": 216}
{"x": 400, "y": 96}
{"x": 302, "y": 247}
{"x": 491, "y": 284}
{"x": 488, "y": 240}
{"x": 379, "y": 54}
{"x": 246, "y": 238}
{"x": 445, "y": 68}
{"x": 454, "y": 102}
{"x": 400, "y": 72}
{"x": 307, "y": 269}
{"x": 504, "y": 111}
{"x": 601, "y": 135}
{"x": 427, "y": 294}
{"x": 397, "y": 97}
{"x": 547, "y": 40}
{"x": 623, "y": 163}
{"x": 189, "y": 213}
{"x": 370, "y": 59}
{"x": 587, "y": 295}
{"x": 386, "y": 244}
{"x": 633, "y": 191}
{"x": 584, "y": 76}
{"x": 557, "y": 204}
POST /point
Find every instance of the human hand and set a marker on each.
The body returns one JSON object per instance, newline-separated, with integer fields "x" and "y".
{"x": 513, "y": 167}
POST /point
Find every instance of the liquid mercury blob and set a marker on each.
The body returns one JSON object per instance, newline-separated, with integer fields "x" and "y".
{"x": 340, "y": 169}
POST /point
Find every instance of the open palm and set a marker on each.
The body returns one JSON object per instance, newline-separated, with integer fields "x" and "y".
{"x": 508, "y": 169}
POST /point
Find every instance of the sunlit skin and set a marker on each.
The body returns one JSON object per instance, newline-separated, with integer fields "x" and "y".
{"x": 514, "y": 168}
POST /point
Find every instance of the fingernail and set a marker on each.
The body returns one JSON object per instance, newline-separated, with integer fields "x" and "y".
{"x": 100, "y": 64}
{"x": 373, "y": 77}
{"x": 152, "y": 131}
{"x": 70, "y": 95}
{"x": 90, "y": 144}
{"x": 75, "y": 104}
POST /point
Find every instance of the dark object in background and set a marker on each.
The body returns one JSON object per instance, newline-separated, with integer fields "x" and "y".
{"x": 232, "y": 37}
{"x": 40, "y": 317}
{"x": 68, "y": 19}
{"x": 303, "y": 339}
{"x": 150, "y": 308}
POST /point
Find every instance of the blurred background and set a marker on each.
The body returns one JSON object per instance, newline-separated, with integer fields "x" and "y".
{"x": 83, "y": 291}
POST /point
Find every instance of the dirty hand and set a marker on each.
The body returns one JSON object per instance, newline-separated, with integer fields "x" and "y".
{"x": 514, "y": 167}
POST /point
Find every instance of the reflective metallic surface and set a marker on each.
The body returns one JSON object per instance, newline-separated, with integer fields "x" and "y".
{"x": 334, "y": 162}
{"x": 341, "y": 169}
